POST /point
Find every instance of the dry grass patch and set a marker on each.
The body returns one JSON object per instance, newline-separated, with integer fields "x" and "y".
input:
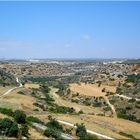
{"x": 89, "y": 124}
{"x": 4, "y": 89}
{"x": 32, "y": 86}
{"x": 119, "y": 124}
{"x": 91, "y": 89}
{"x": 77, "y": 107}
{"x": 2, "y": 116}
{"x": 23, "y": 102}
{"x": 34, "y": 134}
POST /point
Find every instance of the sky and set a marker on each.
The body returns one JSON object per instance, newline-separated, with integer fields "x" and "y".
{"x": 69, "y": 29}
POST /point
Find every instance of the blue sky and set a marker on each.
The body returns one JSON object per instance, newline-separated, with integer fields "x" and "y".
{"x": 70, "y": 29}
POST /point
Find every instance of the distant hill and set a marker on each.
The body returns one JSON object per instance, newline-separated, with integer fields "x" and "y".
{"x": 6, "y": 78}
{"x": 132, "y": 61}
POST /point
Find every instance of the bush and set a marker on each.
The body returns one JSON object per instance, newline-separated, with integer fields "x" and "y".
{"x": 14, "y": 130}
{"x": 69, "y": 130}
{"x": 122, "y": 115}
{"x": 8, "y": 128}
{"x": 48, "y": 132}
{"x": 81, "y": 131}
{"x": 19, "y": 116}
{"x": 5, "y": 124}
{"x": 127, "y": 135}
{"x": 132, "y": 100}
{"x": 62, "y": 109}
{"x": 34, "y": 119}
{"x": 54, "y": 129}
{"x": 54, "y": 124}
{"x": 6, "y": 111}
{"x": 25, "y": 130}
{"x": 80, "y": 112}
{"x": 107, "y": 108}
{"x": 53, "y": 133}
{"x": 45, "y": 88}
{"x": 103, "y": 90}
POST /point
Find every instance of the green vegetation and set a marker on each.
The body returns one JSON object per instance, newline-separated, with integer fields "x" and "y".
{"x": 62, "y": 109}
{"x": 122, "y": 113}
{"x": 127, "y": 135}
{"x": 62, "y": 88}
{"x": 25, "y": 130}
{"x": 6, "y": 78}
{"x": 34, "y": 119}
{"x": 133, "y": 78}
{"x": 19, "y": 116}
{"x": 82, "y": 133}
{"x": 128, "y": 109}
{"x": 54, "y": 129}
{"x": 6, "y": 111}
{"x": 44, "y": 88}
{"x": 8, "y": 128}
{"x": 40, "y": 79}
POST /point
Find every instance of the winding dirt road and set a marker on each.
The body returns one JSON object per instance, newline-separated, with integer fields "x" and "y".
{"x": 12, "y": 89}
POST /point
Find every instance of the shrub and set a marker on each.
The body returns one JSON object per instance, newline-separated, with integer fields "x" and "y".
{"x": 103, "y": 90}
{"x": 53, "y": 133}
{"x": 107, "y": 108}
{"x": 81, "y": 112}
{"x": 21, "y": 92}
{"x": 6, "y": 111}
{"x": 62, "y": 109}
{"x": 25, "y": 130}
{"x": 48, "y": 132}
{"x": 81, "y": 131}
{"x": 131, "y": 100}
{"x": 128, "y": 108}
{"x": 5, "y": 123}
{"x": 54, "y": 124}
{"x": 14, "y": 130}
{"x": 68, "y": 130}
{"x": 34, "y": 119}
{"x": 36, "y": 109}
{"x": 127, "y": 135}
{"x": 45, "y": 88}
{"x": 54, "y": 129}
{"x": 8, "y": 128}
{"x": 19, "y": 116}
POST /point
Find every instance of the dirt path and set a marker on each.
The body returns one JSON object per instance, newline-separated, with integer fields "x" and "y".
{"x": 77, "y": 107}
{"x": 111, "y": 106}
{"x": 126, "y": 97}
{"x": 12, "y": 89}
{"x": 94, "y": 90}
{"x": 88, "y": 131}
